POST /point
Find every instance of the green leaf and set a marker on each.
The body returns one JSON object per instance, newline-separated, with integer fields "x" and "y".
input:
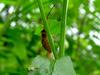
{"x": 40, "y": 65}
{"x": 97, "y": 5}
{"x": 9, "y": 2}
{"x": 20, "y": 51}
{"x": 54, "y": 26}
{"x": 64, "y": 66}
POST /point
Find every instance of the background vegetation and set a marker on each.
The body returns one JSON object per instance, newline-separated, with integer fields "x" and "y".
{"x": 20, "y": 34}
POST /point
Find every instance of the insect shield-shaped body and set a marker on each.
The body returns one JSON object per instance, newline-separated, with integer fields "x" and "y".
{"x": 45, "y": 42}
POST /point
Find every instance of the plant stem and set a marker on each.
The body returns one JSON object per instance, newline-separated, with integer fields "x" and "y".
{"x": 63, "y": 25}
{"x": 52, "y": 65}
{"x": 47, "y": 28}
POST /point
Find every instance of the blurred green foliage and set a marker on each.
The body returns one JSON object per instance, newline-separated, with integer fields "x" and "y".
{"x": 20, "y": 34}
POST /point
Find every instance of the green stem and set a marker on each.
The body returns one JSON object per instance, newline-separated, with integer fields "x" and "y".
{"x": 47, "y": 28}
{"x": 52, "y": 65}
{"x": 63, "y": 25}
